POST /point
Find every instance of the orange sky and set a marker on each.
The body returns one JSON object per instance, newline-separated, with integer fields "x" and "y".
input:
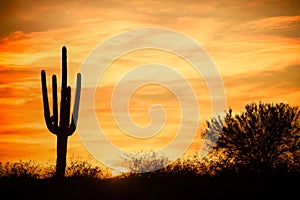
{"x": 255, "y": 46}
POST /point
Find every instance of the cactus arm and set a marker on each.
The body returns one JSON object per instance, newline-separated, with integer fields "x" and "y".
{"x": 54, "y": 96}
{"x": 68, "y": 104}
{"x": 47, "y": 117}
{"x": 73, "y": 124}
{"x": 45, "y": 96}
{"x": 77, "y": 98}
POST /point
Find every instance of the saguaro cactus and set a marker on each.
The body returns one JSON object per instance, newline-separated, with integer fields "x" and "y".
{"x": 61, "y": 127}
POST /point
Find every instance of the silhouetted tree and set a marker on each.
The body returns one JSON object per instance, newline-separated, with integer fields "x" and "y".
{"x": 263, "y": 138}
{"x": 63, "y": 128}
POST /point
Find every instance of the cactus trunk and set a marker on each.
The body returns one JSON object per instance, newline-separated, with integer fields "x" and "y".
{"x": 63, "y": 128}
{"x": 62, "y": 142}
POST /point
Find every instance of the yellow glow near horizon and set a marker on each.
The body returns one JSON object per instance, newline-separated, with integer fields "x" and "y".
{"x": 119, "y": 171}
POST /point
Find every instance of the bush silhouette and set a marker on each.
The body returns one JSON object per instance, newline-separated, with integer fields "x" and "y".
{"x": 20, "y": 169}
{"x": 149, "y": 164}
{"x": 144, "y": 161}
{"x": 264, "y": 138}
{"x": 84, "y": 169}
{"x": 188, "y": 165}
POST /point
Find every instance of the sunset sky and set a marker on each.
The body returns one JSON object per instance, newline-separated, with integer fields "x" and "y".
{"x": 254, "y": 45}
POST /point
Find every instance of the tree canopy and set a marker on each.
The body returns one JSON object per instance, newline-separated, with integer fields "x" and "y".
{"x": 263, "y": 138}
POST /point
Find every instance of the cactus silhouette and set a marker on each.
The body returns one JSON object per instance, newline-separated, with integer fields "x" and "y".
{"x": 61, "y": 127}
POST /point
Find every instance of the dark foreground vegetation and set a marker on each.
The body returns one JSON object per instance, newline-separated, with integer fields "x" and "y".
{"x": 153, "y": 187}
{"x": 251, "y": 155}
{"x": 159, "y": 185}
{"x": 181, "y": 180}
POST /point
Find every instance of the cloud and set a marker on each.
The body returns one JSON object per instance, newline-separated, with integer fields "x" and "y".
{"x": 272, "y": 85}
{"x": 285, "y": 26}
{"x": 30, "y": 16}
{"x": 286, "y": 78}
{"x": 15, "y": 74}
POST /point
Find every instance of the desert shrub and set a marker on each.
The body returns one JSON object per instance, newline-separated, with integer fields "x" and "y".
{"x": 78, "y": 168}
{"x": 191, "y": 164}
{"x": 20, "y": 169}
{"x": 144, "y": 161}
{"x": 150, "y": 164}
{"x": 32, "y": 169}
